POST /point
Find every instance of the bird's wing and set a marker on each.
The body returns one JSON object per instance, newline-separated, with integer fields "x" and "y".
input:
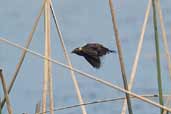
{"x": 89, "y": 51}
{"x": 103, "y": 51}
{"x": 93, "y": 60}
{"x": 93, "y": 46}
{"x": 98, "y": 48}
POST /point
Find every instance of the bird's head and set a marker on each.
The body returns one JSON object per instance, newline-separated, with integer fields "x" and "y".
{"x": 77, "y": 51}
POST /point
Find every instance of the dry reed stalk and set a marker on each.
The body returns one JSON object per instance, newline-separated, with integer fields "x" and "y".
{"x": 166, "y": 47}
{"x": 97, "y": 102}
{"x": 164, "y": 36}
{"x": 118, "y": 43}
{"x": 4, "y": 85}
{"x": 24, "y": 52}
{"x": 136, "y": 59}
{"x": 167, "y": 104}
{"x": 68, "y": 60}
{"x": 50, "y": 80}
{"x": 89, "y": 76}
{"x": 101, "y": 101}
{"x": 157, "y": 55}
{"x": 46, "y": 62}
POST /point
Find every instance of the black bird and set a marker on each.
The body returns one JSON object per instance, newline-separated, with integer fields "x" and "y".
{"x": 92, "y": 53}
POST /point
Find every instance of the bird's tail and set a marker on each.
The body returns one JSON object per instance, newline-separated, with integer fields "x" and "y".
{"x": 112, "y": 51}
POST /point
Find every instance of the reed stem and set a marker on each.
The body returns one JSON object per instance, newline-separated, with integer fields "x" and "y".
{"x": 48, "y": 46}
{"x": 87, "y": 75}
{"x": 99, "y": 102}
{"x": 73, "y": 76}
{"x": 157, "y": 55}
{"x": 30, "y": 37}
{"x": 118, "y": 43}
{"x": 137, "y": 56}
{"x": 46, "y": 52}
{"x": 4, "y": 85}
{"x": 166, "y": 47}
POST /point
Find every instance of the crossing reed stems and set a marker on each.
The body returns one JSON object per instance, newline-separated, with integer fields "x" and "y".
{"x": 157, "y": 55}
{"x": 24, "y": 52}
{"x": 73, "y": 76}
{"x": 4, "y": 85}
{"x": 87, "y": 75}
{"x": 118, "y": 43}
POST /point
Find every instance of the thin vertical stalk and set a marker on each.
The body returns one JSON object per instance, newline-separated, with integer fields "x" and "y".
{"x": 47, "y": 63}
{"x": 157, "y": 55}
{"x": 83, "y": 108}
{"x": 164, "y": 36}
{"x": 50, "y": 80}
{"x": 136, "y": 59}
{"x": 4, "y": 85}
{"x": 166, "y": 47}
{"x": 46, "y": 67}
{"x": 24, "y": 52}
{"x": 118, "y": 43}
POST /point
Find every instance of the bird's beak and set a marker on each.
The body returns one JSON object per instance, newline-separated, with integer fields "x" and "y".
{"x": 73, "y": 51}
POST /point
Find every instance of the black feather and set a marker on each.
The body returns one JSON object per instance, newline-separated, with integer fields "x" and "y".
{"x": 98, "y": 48}
{"x": 93, "y": 60}
{"x": 92, "y": 53}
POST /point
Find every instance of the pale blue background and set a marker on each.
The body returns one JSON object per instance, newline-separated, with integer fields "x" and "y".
{"x": 81, "y": 21}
